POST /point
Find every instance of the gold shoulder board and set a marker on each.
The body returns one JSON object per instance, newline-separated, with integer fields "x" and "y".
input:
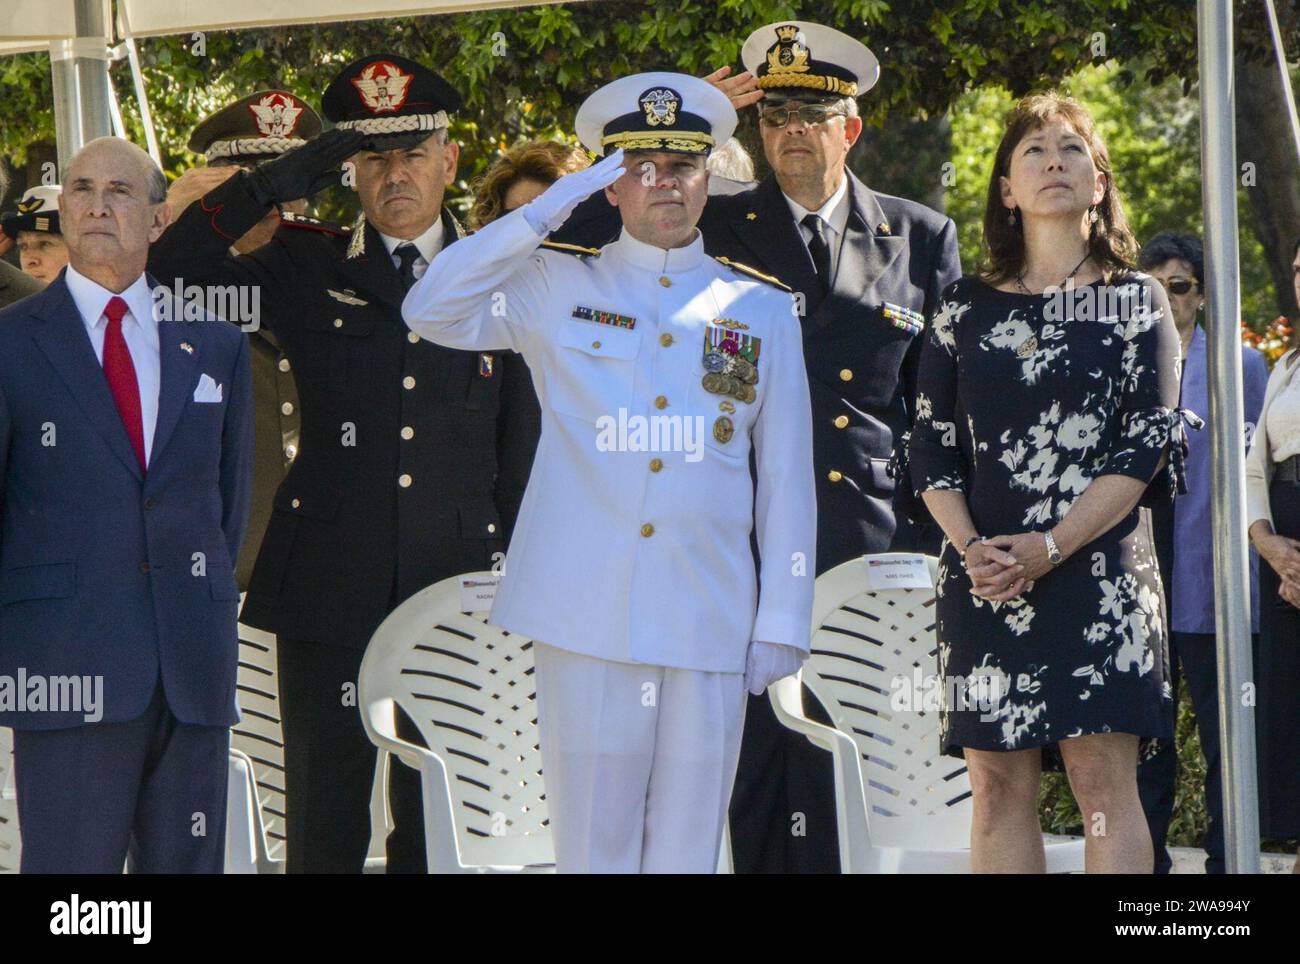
{"x": 570, "y": 248}
{"x": 753, "y": 273}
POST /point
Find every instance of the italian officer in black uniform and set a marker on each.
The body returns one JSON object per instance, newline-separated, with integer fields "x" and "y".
{"x": 867, "y": 270}
{"x": 413, "y": 458}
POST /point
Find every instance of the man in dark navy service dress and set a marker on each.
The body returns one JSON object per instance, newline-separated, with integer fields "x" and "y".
{"x": 413, "y": 458}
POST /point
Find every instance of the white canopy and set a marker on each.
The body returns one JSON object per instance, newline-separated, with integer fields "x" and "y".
{"x": 27, "y": 25}
{"x": 142, "y": 18}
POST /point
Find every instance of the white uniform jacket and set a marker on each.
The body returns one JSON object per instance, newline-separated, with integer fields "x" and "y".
{"x": 633, "y": 541}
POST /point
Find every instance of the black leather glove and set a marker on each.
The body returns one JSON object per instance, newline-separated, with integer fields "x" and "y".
{"x": 306, "y": 170}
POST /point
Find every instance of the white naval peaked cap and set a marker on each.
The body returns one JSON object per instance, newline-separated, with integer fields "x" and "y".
{"x": 797, "y": 55}
{"x": 656, "y": 111}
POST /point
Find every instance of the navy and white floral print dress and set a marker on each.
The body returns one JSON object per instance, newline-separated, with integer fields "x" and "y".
{"x": 1022, "y": 401}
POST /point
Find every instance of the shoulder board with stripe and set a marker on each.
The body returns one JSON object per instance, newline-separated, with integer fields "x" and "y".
{"x": 753, "y": 273}
{"x": 570, "y": 248}
{"x": 290, "y": 220}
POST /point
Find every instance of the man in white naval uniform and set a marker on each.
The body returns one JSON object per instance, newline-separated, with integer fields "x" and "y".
{"x": 631, "y": 567}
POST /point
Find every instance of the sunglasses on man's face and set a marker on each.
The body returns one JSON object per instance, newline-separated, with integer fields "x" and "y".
{"x": 1178, "y": 286}
{"x": 810, "y": 114}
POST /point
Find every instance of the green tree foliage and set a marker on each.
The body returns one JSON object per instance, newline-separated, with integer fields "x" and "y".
{"x": 1154, "y": 145}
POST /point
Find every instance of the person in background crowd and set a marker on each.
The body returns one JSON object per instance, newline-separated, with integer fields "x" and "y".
{"x": 120, "y": 540}
{"x": 1186, "y": 556}
{"x": 521, "y": 174}
{"x": 1038, "y": 431}
{"x": 240, "y": 137}
{"x": 34, "y": 230}
{"x": 731, "y": 169}
{"x": 13, "y": 283}
{"x": 1273, "y": 515}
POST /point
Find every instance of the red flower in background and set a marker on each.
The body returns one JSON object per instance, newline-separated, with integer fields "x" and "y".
{"x": 1272, "y": 342}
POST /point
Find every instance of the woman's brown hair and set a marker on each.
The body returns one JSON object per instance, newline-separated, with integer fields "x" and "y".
{"x": 1110, "y": 241}
{"x": 539, "y": 160}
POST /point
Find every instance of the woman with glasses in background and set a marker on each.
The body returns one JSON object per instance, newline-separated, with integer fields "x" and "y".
{"x": 1186, "y": 556}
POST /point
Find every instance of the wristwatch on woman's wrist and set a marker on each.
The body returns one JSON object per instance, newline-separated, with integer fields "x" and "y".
{"x": 1053, "y": 554}
{"x": 970, "y": 542}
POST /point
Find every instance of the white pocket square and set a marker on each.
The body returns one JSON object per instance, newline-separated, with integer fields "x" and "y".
{"x": 207, "y": 390}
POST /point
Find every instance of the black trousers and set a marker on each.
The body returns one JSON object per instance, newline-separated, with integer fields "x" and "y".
{"x": 152, "y": 789}
{"x": 1277, "y": 672}
{"x": 782, "y": 811}
{"x": 1158, "y": 775}
{"x": 329, "y": 767}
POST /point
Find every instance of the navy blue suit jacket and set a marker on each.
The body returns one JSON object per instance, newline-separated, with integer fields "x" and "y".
{"x": 106, "y": 570}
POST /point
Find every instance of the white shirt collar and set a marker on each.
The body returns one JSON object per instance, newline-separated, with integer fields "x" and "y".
{"x": 91, "y": 299}
{"x": 659, "y": 260}
{"x": 428, "y": 244}
{"x": 835, "y": 212}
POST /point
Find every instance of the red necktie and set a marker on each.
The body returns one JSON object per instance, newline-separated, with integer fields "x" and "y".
{"x": 120, "y": 372}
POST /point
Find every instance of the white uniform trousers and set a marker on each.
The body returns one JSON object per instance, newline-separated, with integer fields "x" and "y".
{"x": 638, "y": 762}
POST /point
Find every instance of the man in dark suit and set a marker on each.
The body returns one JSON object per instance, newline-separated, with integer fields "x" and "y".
{"x": 867, "y": 270}
{"x": 413, "y": 459}
{"x": 125, "y": 453}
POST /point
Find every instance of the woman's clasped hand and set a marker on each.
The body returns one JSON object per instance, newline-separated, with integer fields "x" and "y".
{"x": 1004, "y": 567}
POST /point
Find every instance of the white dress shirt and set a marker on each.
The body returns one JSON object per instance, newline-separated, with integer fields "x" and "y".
{"x": 428, "y": 244}
{"x": 139, "y": 331}
{"x": 834, "y": 214}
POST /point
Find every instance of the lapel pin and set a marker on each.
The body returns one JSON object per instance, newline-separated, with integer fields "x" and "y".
{"x": 187, "y": 348}
{"x": 751, "y": 216}
{"x": 882, "y": 227}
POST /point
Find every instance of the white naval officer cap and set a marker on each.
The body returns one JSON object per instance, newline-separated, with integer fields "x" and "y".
{"x": 795, "y": 55}
{"x": 656, "y": 111}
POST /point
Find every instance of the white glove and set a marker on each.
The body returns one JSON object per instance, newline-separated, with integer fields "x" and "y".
{"x": 553, "y": 206}
{"x": 768, "y": 662}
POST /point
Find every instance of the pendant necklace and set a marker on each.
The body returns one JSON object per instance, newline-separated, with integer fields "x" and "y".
{"x": 1030, "y": 344}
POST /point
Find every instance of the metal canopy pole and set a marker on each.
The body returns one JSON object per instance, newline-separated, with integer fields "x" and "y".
{"x": 1227, "y": 456}
{"x": 79, "y": 69}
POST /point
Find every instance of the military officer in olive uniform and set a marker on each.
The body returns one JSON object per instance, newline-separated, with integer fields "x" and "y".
{"x": 632, "y": 569}
{"x": 413, "y": 457}
{"x": 241, "y": 136}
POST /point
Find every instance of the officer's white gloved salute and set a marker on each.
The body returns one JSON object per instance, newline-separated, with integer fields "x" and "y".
{"x": 553, "y": 206}
{"x": 658, "y": 369}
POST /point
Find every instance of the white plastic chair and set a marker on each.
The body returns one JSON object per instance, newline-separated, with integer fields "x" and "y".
{"x": 468, "y": 687}
{"x": 10, "y": 845}
{"x": 902, "y": 807}
{"x": 255, "y": 809}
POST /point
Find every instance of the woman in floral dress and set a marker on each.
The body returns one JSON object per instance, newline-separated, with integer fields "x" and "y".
{"x": 1046, "y": 412}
